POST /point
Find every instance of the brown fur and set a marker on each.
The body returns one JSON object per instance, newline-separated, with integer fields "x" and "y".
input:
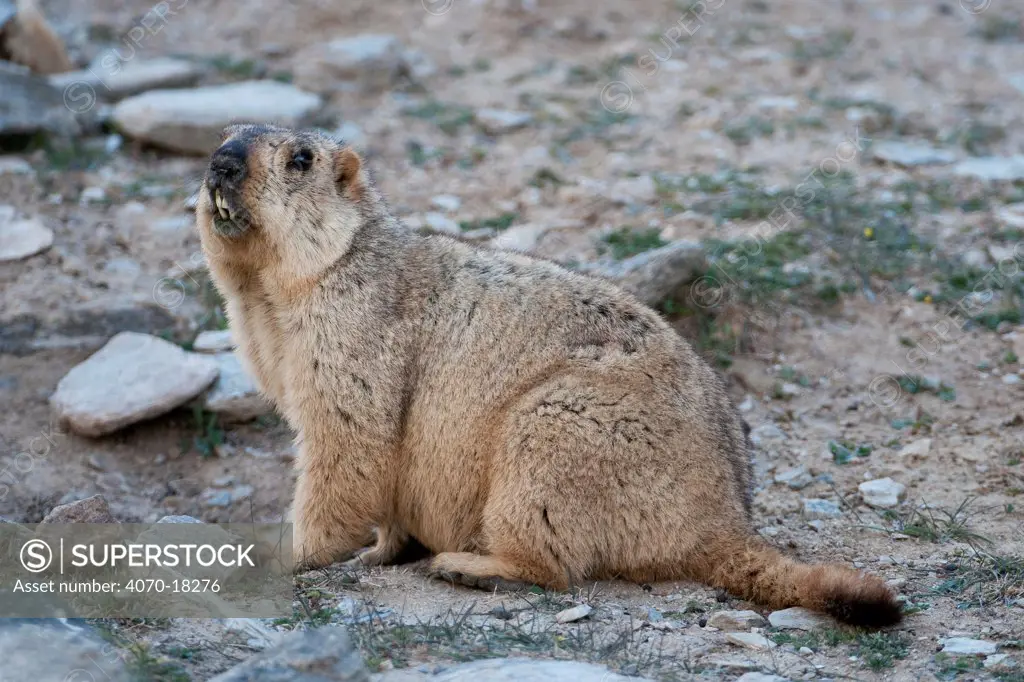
{"x": 30, "y": 41}
{"x": 524, "y": 422}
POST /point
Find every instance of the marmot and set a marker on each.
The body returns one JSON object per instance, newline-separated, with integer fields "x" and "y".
{"x": 28, "y": 40}
{"x": 525, "y": 423}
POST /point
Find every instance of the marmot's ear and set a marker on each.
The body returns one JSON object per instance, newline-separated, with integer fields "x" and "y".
{"x": 348, "y": 173}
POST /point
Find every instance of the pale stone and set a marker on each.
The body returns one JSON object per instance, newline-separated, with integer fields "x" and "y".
{"x": 371, "y": 61}
{"x": 520, "y": 237}
{"x": 191, "y": 121}
{"x": 22, "y": 237}
{"x": 762, "y": 677}
{"x": 966, "y": 646}
{"x": 56, "y": 649}
{"x": 446, "y": 202}
{"x": 14, "y": 165}
{"x": 919, "y": 448}
{"x": 640, "y": 190}
{"x": 1011, "y": 215}
{"x": 797, "y": 478}
{"x": 498, "y": 121}
{"x": 883, "y": 493}
{"x": 750, "y": 640}
{"x": 821, "y": 509}
{"x": 766, "y": 432}
{"x": 798, "y": 618}
{"x": 323, "y": 654}
{"x": 116, "y": 81}
{"x": 735, "y": 621}
{"x": 992, "y": 168}
{"x": 234, "y": 395}
{"x": 909, "y": 154}
{"x": 89, "y": 510}
{"x": 441, "y": 223}
{"x": 132, "y": 378}
{"x": 213, "y": 341}
{"x": 574, "y": 614}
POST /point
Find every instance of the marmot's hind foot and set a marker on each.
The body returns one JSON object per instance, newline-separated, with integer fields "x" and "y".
{"x": 478, "y": 571}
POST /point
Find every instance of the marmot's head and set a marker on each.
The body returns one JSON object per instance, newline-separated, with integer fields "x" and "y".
{"x": 276, "y": 192}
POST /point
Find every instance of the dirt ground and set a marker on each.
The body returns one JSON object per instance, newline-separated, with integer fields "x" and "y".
{"x": 839, "y": 345}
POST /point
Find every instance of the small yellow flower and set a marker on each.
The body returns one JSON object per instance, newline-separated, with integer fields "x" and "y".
{"x": 869, "y": 232}
{"x": 928, "y": 298}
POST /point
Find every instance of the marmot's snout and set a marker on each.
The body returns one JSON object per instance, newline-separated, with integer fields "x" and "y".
{"x": 224, "y": 181}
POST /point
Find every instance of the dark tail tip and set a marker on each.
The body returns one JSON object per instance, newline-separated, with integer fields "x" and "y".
{"x": 869, "y": 605}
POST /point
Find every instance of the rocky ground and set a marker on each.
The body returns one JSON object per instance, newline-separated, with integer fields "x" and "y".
{"x": 826, "y": 198}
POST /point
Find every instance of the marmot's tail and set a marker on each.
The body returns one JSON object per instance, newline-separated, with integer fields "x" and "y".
{"x": 752, "y": 569}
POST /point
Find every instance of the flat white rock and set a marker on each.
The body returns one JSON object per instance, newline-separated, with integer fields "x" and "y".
{"x": 909, "y": 154}
{"x": 213, "y": 341}
{"x": 966, "y": 646}
{"x": 736, "y": 621}
{"x": 574, "y": 614}
{"x": 132, "y": 378}
{"x": 766, "y": 432}
{"x": 370, "y": 61}
{"x": 997, "y": 661}
{"x": 22, "y": 237}
{"x": 14, "y": 165}
{"x": 992, "y": 168}
{"x": 191, "y": 120}
{"x": 750, "y": 640}
{"x": 821, "y": 509}
{"x": 234, "y": 395}
{"x": 441, "y": 223}
{"x": 1011, "y": 215}
{"x": 919, "y": 448}
{"x": 498, "y": 121}
{"x": 132, "y": 77}
{"x": 446, "y": 202}
{"x": 884, "y": 493}
{"x": 760, "y": 677}
{"x": 797, "y": 618}
{"x": 520, "y": 237}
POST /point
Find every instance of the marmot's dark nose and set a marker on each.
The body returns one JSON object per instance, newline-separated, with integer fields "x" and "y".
{"x": 228, "y": 164}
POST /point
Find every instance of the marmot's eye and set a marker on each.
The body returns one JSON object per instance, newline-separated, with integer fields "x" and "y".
{"x": 302, "y": 160}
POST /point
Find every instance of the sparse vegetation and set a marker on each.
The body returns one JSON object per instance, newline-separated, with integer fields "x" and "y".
{"x": 831, "y": 45}
{"x": 844, "y": 452}
{"x": 984, "y": 579}
{"x": 936, "y": 524}
{"x": 878, "y": 650}
{"x": 145, "y": 666}
{"x": 999, "y": 28}
{"x": 461, "y": 635}
{"x": 237, "y": 68}
{"x": 450, "y": 118}
{"x": 951, "y": 667}
{"x": 498, "y": 222}
{"x": 747, "y": 130}
{"x": 208, "y": 433}
{"x": 881, "y": 650}
{"x": 914, "y": 384}
{"x": 978, "y": 138}
{"x": 625, "y": 242}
